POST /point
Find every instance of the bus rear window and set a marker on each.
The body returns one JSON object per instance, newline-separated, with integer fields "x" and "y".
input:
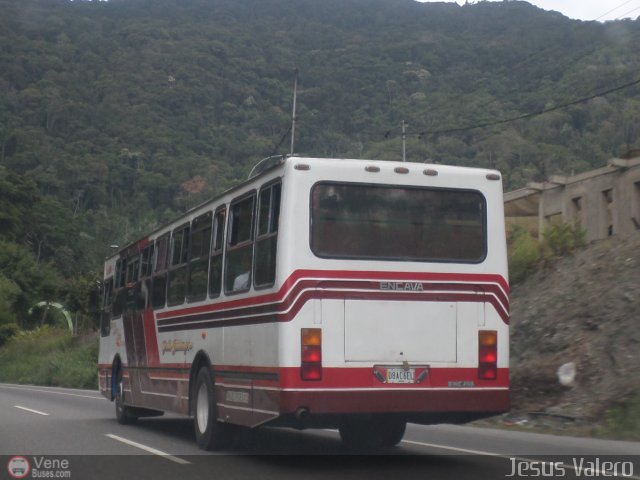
{"x": 379, "y": 222}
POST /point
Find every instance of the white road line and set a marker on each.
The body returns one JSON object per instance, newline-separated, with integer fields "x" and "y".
{"x": 520, "y": 459}
{"x": 453, "y": 449}
{"x": 50, "y": 391}
{"x": 30, "y": 410}
{"x": 148, "y": 449}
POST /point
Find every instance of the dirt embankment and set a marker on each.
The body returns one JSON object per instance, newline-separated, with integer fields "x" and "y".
{"x": 584, "y": 309}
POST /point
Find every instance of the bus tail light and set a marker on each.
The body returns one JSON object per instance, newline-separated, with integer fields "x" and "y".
{"x": 487, "y": 354}
{"x": 311, "y": 354}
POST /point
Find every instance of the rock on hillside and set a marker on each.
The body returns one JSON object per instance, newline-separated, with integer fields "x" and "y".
{"x": 584, "y": 309}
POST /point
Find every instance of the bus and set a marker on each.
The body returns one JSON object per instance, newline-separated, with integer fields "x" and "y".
{"x": 319, "y": 293}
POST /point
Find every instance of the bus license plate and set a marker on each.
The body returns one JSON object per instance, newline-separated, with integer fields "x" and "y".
{"x": 400, "y": 375}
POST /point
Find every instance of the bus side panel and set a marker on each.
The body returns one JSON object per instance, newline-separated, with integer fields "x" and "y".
{"x": 246, "y": 377}
{"x": 110, "y": 347}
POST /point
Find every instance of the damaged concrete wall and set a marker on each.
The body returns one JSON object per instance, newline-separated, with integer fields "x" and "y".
{"x": 604, "y": 202}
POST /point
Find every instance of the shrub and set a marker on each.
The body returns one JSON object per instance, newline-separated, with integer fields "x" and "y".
{"x": 527, "y": 254}
{"x": 563, "y": 239}
{"x": 623, "y": 420}
{"x": 9, "y": 292}
{"x": 50, "y": 356}
{"x": 7, "y": 331}
{"x": 524, "y": 254}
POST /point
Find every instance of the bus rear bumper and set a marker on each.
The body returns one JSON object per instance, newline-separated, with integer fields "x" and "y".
{"x": 461, "y": 402}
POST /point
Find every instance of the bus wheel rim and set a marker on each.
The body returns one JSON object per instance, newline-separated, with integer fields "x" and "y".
{"x": 202, "y": 408}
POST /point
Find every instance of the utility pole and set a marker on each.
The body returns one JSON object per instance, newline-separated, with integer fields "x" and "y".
{"x": 293, "y": 114}
{"x": 404, "y": 141}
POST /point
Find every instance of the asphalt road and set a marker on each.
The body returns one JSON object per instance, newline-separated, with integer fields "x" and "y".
{"x": 64, "y": 433}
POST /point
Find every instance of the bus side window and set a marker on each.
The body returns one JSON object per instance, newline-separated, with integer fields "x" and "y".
{"x": 239, "y": 254}
{"x": 119, "y": 290}
{"x": 121, "y": 273}
{"x": 146, "y": 268}
{"x": 159, "y": 283}
{"x": 131, "y": 286}
{"x": 177, "y": 282}
{"x": 199, "y": 247}
{"x": 105, "y": 311}
{"x": 143, "y": 289}
{"x": 267, "y": 239}
{"x": 133, "y": 269}
{"x": 215, "y": 268}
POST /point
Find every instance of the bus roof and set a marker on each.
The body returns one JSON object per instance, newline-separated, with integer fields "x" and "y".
{"x": 278, "y": 162}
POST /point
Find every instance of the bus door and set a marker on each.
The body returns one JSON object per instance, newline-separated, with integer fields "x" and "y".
{"x": 133, "y": 324}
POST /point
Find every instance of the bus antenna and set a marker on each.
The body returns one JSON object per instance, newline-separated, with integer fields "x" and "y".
{"x": 293, "y": 113}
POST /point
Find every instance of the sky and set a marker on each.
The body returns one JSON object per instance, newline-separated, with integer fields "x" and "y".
{"x": 600, "y": 10}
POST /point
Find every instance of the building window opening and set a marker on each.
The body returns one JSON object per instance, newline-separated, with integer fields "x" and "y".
{"x": 607, "y": 201}
{"x": 576, "y": 204}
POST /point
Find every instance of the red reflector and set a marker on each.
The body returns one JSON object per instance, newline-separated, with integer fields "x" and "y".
{"x": 488, "y": 355}
{"x": 311, "y": 354}
{"x": 487, "y": 372}
{"x": 311, "y": 372}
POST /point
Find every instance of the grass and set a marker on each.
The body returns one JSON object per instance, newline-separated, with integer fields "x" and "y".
{"x": 50, "y": 356}
{"x": 623, "y": 421}
{"x": 619, "y": 422}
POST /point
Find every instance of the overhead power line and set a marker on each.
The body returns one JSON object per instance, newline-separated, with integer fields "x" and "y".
{"x": 624, "y": 15}
{"x": 530, "y": 114}
{"x": 546, "y": 53}
{"x": 613, "y": 9}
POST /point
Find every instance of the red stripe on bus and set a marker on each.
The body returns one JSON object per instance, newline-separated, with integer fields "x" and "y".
{"x": 189, "y": 315}
{"x": 338, "y": 377}
{"x": 288, "y": 312}
{"x": 345, "y": 378}
{"x": 263, "y": 308}
{"x": 150, "y": 338}
{"x": 318, "y": 276}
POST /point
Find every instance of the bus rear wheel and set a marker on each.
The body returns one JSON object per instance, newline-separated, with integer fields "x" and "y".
{"x": 370, "y": 433}
{"x": 124, "y": 414}
{"x": 210, "y": 433}
{"x": 392, "y": 431}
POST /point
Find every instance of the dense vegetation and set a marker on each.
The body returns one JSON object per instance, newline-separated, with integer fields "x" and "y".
{"x": 50, "y": 356}
{"x": 117, "y": 115}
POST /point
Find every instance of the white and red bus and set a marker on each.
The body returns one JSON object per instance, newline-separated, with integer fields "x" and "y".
{"x": 354, "y": 294}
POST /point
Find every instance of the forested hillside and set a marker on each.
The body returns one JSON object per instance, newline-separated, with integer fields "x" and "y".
{"x": 117, "y": 115}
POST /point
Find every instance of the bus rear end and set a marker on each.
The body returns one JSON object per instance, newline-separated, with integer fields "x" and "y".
{"x": 397, "y": 296}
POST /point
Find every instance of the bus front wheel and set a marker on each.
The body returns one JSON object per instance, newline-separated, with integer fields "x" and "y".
{"x": 210, "y": 433}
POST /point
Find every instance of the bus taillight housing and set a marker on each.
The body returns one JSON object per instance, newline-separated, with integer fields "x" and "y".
{"x": 311, "y": 354}
{"x": 487, "y": 354}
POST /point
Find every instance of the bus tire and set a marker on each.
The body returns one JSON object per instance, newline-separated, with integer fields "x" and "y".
{"x": 124, "y": 414}
{"x": 360, "y": 434}
{"x": 210, "y": 433}
{"x": 392, "y": 430}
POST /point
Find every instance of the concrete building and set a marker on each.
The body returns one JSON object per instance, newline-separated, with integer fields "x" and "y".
{"x": 604, "y": 202}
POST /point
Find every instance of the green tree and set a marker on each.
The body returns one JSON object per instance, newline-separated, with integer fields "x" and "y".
{"x": 27, "y": 281}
